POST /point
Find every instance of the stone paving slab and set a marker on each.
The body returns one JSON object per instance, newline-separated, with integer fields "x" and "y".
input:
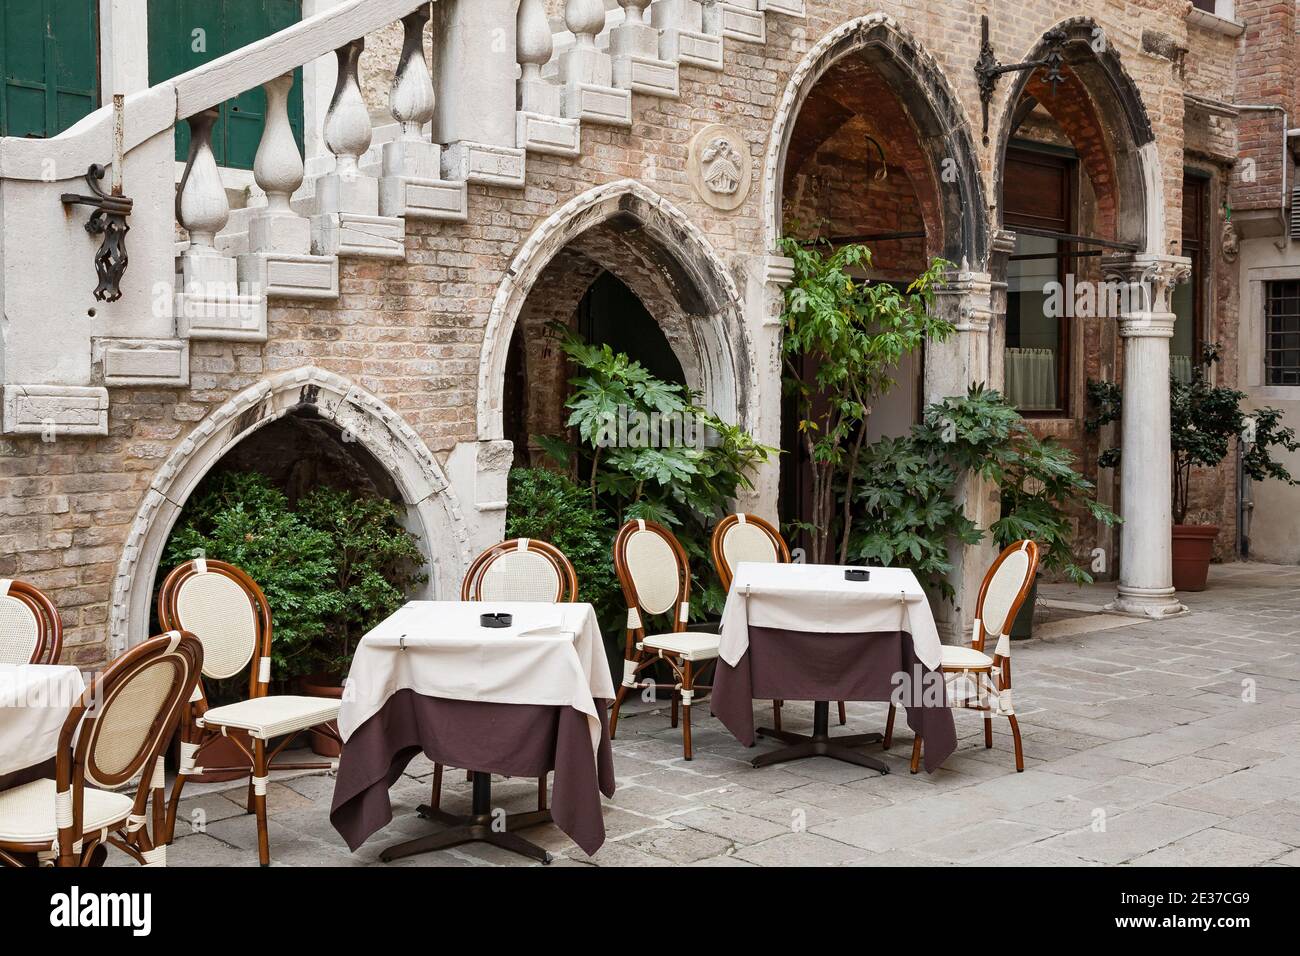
{"x": 1173, "y": 743}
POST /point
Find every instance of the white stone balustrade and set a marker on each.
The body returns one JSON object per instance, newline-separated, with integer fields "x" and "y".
{"x": 411, "y": 183}
{"x": 586, "y": 74}
{"x": 634, "y": 48}
{"x": 540, "y": 127}
{"x": 347, "y": 220}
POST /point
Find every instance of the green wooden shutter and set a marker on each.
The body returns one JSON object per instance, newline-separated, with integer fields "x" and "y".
{"x": 49, "y": 61}
{"x": 184, "y": 34}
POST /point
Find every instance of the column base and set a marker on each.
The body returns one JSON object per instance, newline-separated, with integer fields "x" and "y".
{"x": 1155, "y": 603}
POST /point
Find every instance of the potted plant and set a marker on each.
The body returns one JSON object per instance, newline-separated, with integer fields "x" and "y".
{"x": 1205, "y": 419}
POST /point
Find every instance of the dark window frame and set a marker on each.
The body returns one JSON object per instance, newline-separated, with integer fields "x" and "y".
{"x": 1196, "y": 248}
{"x": 1276, "y": 292}
{"x": 1066, "y": 162}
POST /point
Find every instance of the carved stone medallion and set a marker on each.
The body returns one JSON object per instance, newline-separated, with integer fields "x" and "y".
{"x": 720, "y": 167}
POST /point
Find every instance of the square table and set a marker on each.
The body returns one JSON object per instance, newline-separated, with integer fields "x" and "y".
{"x": 517, "y": 701}
{"x": 805, "y": 632}
{"x": 34, "y": 703}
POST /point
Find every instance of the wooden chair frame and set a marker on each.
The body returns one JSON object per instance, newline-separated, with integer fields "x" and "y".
{"x": 49, "y": 626}
{"x": 992, "y": 683}
{"x": 77, "y": 738}
{"x": 636, "y": 656}
{"x": 196, "y": 738}
{"x": 471, "y": 590}
{"x": 725, "y": 573}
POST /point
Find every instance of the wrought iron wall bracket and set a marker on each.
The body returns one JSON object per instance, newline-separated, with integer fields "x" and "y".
{"x": 988, "y": 70}
{"x": 108, "y": 220}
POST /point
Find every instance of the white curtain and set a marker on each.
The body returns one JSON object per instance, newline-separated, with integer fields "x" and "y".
{"x": 1181, "y": 367}
{"x": 1031, "y": 379}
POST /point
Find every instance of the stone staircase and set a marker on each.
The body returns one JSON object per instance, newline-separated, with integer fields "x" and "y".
{"x": 580, "y": 67}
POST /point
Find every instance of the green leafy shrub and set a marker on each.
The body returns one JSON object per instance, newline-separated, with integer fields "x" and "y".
{"x": 331, "y": 569}
{"x": 685, "y": 483}
{"x": 550, "y": 506}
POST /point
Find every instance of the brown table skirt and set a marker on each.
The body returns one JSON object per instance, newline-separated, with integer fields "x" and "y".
{"x": 27, "y": 775}
{"x": 803, "y": 665}
{"x": 513, "y": 740}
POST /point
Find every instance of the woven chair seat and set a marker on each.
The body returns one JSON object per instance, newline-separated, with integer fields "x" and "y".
{"x": 28, "y": 815}
{"x": 267, "y": 717}
{"x": 964, "y": 657}
{"x": 691, "y": 645}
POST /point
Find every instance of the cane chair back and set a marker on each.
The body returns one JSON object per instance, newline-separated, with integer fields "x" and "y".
{"x": 522, "y": 569}
{"x": 122, "y": 726}
{"x": 654, "y": 572}
{"x": 227, "y": 611}
{"x": 741, "y": 537}
{"x": 30, "y": 629}
{"x": 1005, "y": 587}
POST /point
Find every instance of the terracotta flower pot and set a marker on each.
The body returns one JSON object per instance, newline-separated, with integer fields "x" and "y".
{"x": 1193, "y": 548}
{"x": 323, "y": 685}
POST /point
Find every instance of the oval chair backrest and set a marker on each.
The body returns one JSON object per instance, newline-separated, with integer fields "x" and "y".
{"x": 741, "y": 537}
{"x": 652, "y": 568}
{"x": 30, "y": 629}
{"x": 522, "y": 569}
{"x": 134, "y": 708}
{"x": 1003, "y": 592}
{"x": 222, "y": 606}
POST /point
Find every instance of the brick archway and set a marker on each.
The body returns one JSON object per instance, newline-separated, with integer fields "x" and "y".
{"x": 942, "y": 131}
{"x": 431, "y": 508}
{"x": 656, "y": 251}
{"x": 1100, "y": 110}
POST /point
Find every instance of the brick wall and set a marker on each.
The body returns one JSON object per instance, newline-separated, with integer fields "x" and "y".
{"x": 411, "y": 332}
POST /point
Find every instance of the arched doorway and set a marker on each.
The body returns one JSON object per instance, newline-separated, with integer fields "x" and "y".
{"x": 870, "y": 146}
{"x": 625, "y": 230}
{"x": 319, "y": 405}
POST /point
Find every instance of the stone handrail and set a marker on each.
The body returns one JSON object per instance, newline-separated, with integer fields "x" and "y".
{"x": 149, "y": 112}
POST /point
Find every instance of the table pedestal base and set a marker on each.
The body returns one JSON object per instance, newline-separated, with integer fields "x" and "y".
{"x": 479, "y": 827}
{"x": 820, "y": 744}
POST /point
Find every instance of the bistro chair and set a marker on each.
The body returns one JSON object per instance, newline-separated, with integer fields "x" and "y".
{"x": 227, "y": 611}
{"x": 985, "y": 680}
{"x": 656, "y": 577}
{"x": 744, "y": 537}
{"x": 522, "y": 569}
{"x": 118, "y": 730}
{"x": 30, "y": 629}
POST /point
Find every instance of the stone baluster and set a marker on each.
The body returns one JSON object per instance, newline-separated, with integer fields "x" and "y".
{"x": 411, "y": 98}
{"x": 278, "y": 171}
{"x": 347, "y": 220}
{"x": 209, "y": 301}
{"x": 533, "y": 37}
{"x": 635, "y": 10}
{"x": 410, "y": 179}
{"x": 347, "y": 121}
{"x": 586, "y": 73}
{"x": 686, "y": 32}
{"x": 201, "y": 204}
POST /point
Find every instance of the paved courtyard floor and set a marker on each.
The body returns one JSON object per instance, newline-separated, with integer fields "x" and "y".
{"x": 1172, "y": 743}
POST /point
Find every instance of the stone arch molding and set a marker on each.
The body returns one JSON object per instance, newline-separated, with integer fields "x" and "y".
{"x": 942, "y": 126}
{"x": 432, "y": 511}
{"x": 721, "y": 356}
{"x": 1091, "y": 55}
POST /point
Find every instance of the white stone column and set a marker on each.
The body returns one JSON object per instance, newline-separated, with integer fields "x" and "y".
{"x": 1146, "y": 326}
{"x": 764, "y": 303}
{"x": 967, "y": 300}
{"x": 474, "y": 72}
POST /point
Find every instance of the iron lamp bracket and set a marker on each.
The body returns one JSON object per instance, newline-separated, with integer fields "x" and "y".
{"x": 108, "y": 220}
{"x": 988, "y": 70}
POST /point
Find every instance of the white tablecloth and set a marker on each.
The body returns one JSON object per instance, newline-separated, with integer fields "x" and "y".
{"x": 817, "y": 598}
{"x": 34, "y": 703}
{"x": 552, "y": 654}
